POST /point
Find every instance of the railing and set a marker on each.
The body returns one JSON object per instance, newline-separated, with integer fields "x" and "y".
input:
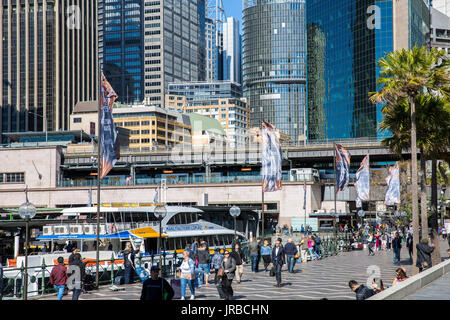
{"x": 181, "y": 181}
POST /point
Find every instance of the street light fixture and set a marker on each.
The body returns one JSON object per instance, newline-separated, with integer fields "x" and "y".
{"x": 160, "y": 213}
{"x": 27, "y": 211}
{"x": 235, "y": 212}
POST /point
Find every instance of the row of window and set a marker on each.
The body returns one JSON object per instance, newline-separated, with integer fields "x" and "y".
{"x": 14, "y": 177}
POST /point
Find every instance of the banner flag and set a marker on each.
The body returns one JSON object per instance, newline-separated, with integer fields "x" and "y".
{"x": 304, "y": 196}
{"x": 342, "y": 167}
{"x": 271, "y": 158}
{"x": 393, "y": 189}
{"x": 110, "y": 149}
{"x": 362, "y": 184}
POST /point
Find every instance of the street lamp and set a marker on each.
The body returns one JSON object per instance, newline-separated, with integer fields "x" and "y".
{"x": 361, "y": 214}
{"x": 27, "y": 211}
{"x": 235, "y": 212}
{"x": 160, "y": 213}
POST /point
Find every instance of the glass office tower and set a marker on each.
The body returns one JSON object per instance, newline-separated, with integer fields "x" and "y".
{"x": 274, "y": 64}
{"x": 345, "y": 41}
{"x": 123, "y": 49}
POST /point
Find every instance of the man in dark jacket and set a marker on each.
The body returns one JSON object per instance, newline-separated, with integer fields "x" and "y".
{"x": 396, "y": 246}
{"x": 203, "y": 262}
{"x": 58, "y": 277}
{"x": 409, "y": 245}
{"x": 424, "y": 254}
{"x": 291, "y": 250}
{"x": 128, "y": 257}
{"x": 278, "y": 260}
{"x": 362, "y": 292}
{"x": 77, "y": 262}
{"x": 156, "y": 288}
{"x": 239, "y": 257}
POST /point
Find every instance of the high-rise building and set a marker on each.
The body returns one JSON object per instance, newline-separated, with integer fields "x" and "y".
{"x": 345, "y": 41}
{"x": 147, "y": 44}
{"x": 440, "y": 30}
{"x": 49, "y": 62}
{"x": 274, "y": 64}
{"x": 442, "y": 5}
{"x": 232, "y": 66}
{"x": 212, "y": 52}
{"x": 204, "y": 91}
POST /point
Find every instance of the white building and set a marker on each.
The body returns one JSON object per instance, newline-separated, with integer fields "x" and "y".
{"x": 440, "y": 30}
{"x": 442, "y": 5}
{"x": 232, "y": 65}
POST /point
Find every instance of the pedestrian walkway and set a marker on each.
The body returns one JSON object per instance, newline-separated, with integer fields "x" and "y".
{"x": 437, "y": 290}
{"x": 314, "y": 280}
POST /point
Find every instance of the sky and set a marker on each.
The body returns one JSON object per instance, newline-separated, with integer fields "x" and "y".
{"x": 233, "y": 8}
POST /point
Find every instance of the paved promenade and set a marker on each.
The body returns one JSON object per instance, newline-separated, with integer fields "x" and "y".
{"x": 314, "y": 280}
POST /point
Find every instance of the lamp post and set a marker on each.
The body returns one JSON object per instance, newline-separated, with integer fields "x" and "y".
{"x": 235, "y": 212}
{"x": 27, "y": 211}
{"x": 160, "y": 213}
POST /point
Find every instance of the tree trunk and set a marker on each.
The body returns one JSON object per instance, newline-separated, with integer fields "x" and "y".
{"x": 414, "y": 191}
{"x": 423, "y": 195}
{"x": 436, "y": 255}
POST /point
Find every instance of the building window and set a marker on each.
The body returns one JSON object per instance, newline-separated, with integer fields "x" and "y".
{"x": 12, "y": 177}
{"x": 77, "y": 120}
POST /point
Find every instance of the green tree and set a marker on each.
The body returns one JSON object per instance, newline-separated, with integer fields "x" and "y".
{"x": 404, "y": 74}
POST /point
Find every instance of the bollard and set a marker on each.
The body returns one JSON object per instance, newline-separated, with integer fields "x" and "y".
{"x": 43, "y": 277}
{"x": 112, "y": 269}
{"x": 22, "y": 272}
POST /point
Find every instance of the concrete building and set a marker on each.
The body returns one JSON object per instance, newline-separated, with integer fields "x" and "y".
{"x": 232, "y": 114}
{"x": 442, "y": 5}
{"x": 199, "y": 91}
{"x": 147, "y": 44}
{"x": 440, "y": 30}
{"x": 207, "y": 132}
{"x": 175, "y": 102}
{"x": 232, "y": 51}
{"x": 48, "y": 62}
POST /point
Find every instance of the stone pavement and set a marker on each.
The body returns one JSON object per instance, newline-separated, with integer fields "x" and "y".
{"x": 313, "y": 280}
{"x": 437, "y": 290}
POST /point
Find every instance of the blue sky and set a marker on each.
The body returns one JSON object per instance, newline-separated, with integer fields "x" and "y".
{"x": 233, "y": 8}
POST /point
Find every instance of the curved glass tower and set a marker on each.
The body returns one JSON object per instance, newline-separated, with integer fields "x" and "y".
{"x": 274, "y": 64}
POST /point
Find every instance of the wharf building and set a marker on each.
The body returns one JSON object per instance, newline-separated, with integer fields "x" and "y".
{"x": 49, "y": 62}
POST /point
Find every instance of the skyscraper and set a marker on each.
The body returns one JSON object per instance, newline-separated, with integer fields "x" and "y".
{"x": 49, "y": 62}
{"x": 345, "y": 41}
{"x": 148, "y": 44}
{"x": 212, "y": 52}
{"x": 232, "y": 66}
{"x": 274, "y": 64}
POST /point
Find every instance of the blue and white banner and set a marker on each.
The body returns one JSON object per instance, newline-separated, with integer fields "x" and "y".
{"x": 110, "y": 149}
{"x": 156, "y": 197}
{"x": 304, "y": 196}
{"x": 393, "y": 186}
{"x": 271, "y": 158}
{"x": 342, "y": 168}
{"x": 362, "y": 184}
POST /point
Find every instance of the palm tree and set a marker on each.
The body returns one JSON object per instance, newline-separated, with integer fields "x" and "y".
{"x": 404, "y": 74}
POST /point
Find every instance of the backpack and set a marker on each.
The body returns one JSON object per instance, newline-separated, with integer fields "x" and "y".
{"x": 317, "y": 241}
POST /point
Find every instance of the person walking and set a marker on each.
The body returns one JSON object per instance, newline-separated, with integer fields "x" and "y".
{"x": 291, "y": 250}
{"x": 377, "y": 241}
{"x": 397, "y": 246}
{"x": 229, "y": 268}
{"x": 187, "y": 275}
{"x": 409, "y": 245}
{"x": 424, "y": 255}
{"x": 155, "y": 288}
{"x": 216, "y": 260}
{"x": 266, "y": 251}
{"x": 304, "y": 249}
{"x": 58, "y": 277}
{"x": 311, "y": 248}
{"x": 278, "y": 260}
{"x": 253, "y": 250}
{"x": 370, "y": 244}
{"x": 317, "y": 246}
{"x": 128, "y": 257}
{"x": 203, "y": 262}
{"x": 239, "y": 256}
{"x": 78, "y": 262}
{"x": 400, "y": 275}
{"x": 258, "y": 259}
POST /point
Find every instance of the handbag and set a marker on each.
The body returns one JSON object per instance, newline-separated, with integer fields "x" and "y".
{"x": 272, "y": 272}
{"x": 297, "y": 256}
{"x": 220, "y": 272}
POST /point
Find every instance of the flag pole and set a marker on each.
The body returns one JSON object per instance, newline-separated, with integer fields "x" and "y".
{"x": 262, "y": 213}
{"x": 99, "y": 95}
{"x": 335, "y": 188}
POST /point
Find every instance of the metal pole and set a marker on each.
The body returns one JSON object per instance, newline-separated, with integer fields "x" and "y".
{"x": 234, "y": 228}
{"x": 99, "y": 93}
{"x": 159, "y": 244}
{"x": 335, "y": 188}
{"x": 262, "y": 216}
{"x": 25, "y": 280}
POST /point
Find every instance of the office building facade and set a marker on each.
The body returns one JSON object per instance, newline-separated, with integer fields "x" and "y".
{"x": 274, "y": 64}
{"x": 232, "y": 66}
{"x": 147, "y": 44}
{"x": 49, "y": 62}
{"x": 204, "y": 91}
{"x": 440, "y": 30}
{"x": 345, "y": 41}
